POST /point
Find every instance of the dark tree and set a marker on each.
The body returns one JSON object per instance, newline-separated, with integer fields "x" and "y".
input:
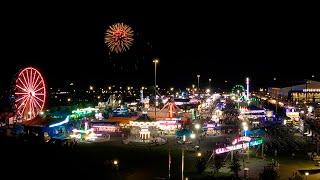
{"x": 217, "y": 163}
{"x": 235, "y": 167}
{"x": 269, "y": 174}
{"x": 201, "y": 165}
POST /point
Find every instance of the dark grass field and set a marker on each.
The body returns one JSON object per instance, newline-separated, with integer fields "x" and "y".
{"x": 93, "y": 160}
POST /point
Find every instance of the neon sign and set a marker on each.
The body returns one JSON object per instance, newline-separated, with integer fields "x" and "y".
{"x": 241, "y": 139}
{"x": 231, "y": 148}
{"x": 256, "y": 142}
{"x": 238, "y": 146}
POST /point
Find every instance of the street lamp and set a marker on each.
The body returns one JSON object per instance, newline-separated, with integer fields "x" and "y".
{"x": 193, "y": 136}
{"x": 307, "y": 174}
{"x": 197, "y": 126}
{"x": 245, "y": 128}
{"x": 115, "y": 162}
{"x": 155, "y": 61}
{"x": 210, "y": 83}
{"x": 198, "y": 76}
{"x": 199, "y": 154}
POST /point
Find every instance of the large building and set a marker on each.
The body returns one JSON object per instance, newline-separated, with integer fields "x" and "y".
{"x": 307, "y": 92}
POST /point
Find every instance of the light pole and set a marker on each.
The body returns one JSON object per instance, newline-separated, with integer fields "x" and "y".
{"x": 247, "y": 83}
{"x": 245, "y": 128}
{"x": 198, "y": 76}
{"x": 156, "y": 61}
{"x": 197, "y": 126}
{"x": 182, "y": 164}
{"x": 199, "y": 154}
{"x": 116, "y": 164}
{"x": 307, "y": 174}
{"x": 210, "y": 83}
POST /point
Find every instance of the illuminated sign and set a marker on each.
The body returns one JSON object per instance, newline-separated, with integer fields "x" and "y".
{"x": 109, "y": 128}
{"x": 256, "y": 142}
{"x": 210, "y": 125}
{"x": 241, "y": 139}
{"x": 231, "y": 148}
{"x": 311, "y": 90}
{"x": 246, "y": 111}
{"x": 238, "y": 146}
{"x": 167, "y": 122}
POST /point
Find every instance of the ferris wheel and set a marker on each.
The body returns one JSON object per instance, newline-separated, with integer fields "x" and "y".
{"x": 29, "y": 93}
{"x": 238, "y": 89}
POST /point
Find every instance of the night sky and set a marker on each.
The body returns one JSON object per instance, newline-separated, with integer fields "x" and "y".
{"x": 67, "y": 44}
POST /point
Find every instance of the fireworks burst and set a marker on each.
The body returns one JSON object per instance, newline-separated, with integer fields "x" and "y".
{"x": 119, "y": 37}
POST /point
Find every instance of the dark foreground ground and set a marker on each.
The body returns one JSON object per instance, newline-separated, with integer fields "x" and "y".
{"x": 93, "y": 160}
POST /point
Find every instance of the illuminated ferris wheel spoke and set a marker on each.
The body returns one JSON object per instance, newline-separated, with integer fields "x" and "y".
{"x": 38, "y": 105}
{"x": 39, "y": 99}
{"x": 21, "y": 88}
{"x": 40, "y": 94}
{"x": 39, "y": 89}
{"x": 33, "y": 107}
{"x": 30, "y": 78}
{"x": 25, "y": 80}
{"x": 37, "y": 85}
{"x": 34, "y": 83}
{"x": 22, "y": 102}
{"x": 25, "y": 93}
{"x": 24, "y": 85}
{"x": 24, "y": 107}
{"x": 36, "y": 102}
{"x": 30, "y": 107}
{"x": 34, "y": 76}
{"x": 22, "y": 98}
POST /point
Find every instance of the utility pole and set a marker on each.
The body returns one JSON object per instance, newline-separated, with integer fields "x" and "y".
{"x": 156, "y": 61}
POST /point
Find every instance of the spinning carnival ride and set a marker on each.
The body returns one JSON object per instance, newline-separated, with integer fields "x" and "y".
{"x": 29, "y": 93}
{"x": 238, "y": 89}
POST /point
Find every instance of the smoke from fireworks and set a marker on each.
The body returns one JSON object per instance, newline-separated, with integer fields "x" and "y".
{"x": 119, "y": 37}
